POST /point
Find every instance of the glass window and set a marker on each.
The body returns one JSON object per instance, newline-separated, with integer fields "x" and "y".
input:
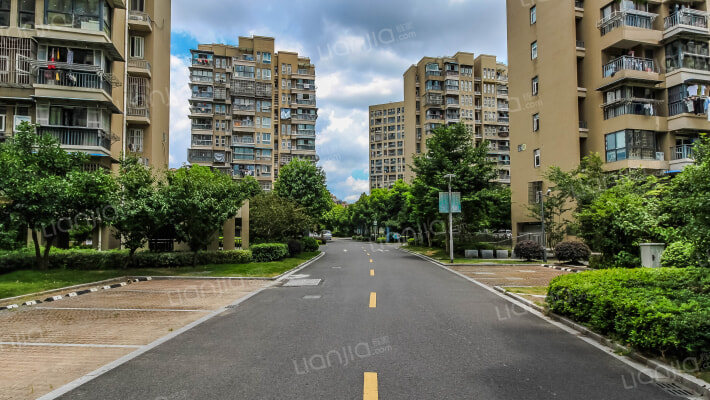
{"x": 533, "y": 50}
{"x": 26, "y": 14}
{"x": 534, "y": 86}
{"x": 536, "y": 122}
{"x": 266, "y": 58}
{"x": 536, "y": 156}
{"x": 4, "y": 12}
{"x": 533, "y": 15}
{"x": 138, "y": 5}
{"x": 137, "y": 47}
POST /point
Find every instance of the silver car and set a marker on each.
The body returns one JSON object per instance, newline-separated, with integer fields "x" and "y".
{"x": 326, "y": 235}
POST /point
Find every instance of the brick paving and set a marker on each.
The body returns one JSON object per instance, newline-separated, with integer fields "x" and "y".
{"x": 130, "y": 316}
{"x": 504, "y": 275}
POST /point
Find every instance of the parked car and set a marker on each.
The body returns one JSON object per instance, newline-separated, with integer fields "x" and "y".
{"x": 503, "y": 234}
{"x": 326, "y": 235}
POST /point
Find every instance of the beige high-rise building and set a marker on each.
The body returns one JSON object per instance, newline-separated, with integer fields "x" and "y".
{"x": 438, "y": 92}
{"x": 628, "y": 81}
{"x": 93, "y": 74}
{"x": 253, "y": 110}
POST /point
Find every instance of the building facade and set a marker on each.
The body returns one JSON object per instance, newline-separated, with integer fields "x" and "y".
{"x": 439, "y": 92}
{"x": 627, "y": 81}
{"x": 252, "y": 110}
{"x": 83, "y": 71}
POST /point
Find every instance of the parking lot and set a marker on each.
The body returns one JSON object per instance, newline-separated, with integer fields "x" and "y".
{"x": 48, "y": 345}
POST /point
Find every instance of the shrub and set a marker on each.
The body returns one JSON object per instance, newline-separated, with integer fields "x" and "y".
{"x": 438, "y": 242}
{"x": 679, "y": 255}
{"x": 626, "y": 260}
{"x": 572, "y": 251}
{"x": 649, "y": 309}
{"x": 295, "y": 247}
{"x": 381, "y": 240}
{"x": 528, "y": 250}
{"x": 268, "y": 252}
{"x": 411, "y": 242}
{"x": 310, "y": 244}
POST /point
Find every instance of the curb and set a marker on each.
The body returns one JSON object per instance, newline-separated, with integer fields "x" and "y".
{"x": 286, "y": 274}
{"x": 666, "y": 371}
{"x": 467, "y": 265}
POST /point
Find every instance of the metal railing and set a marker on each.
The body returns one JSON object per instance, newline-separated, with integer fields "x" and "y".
{"x": 631, "y": 108}
{"x": 633, "y": 18}
{"x": 629, "y": 63}
{"x": 583, "y": 125}
{"x": 580, "y": 44}
{"x": 139, "y": 63}
{"x": 243, "y": 107}
{"x": 143, "y": 112}
{"x": 306, "y": 102}
{"x": 139, "y": 16}
{"x": 200, "y": 78}
{"x": 689, "y": 17}
{"x": 304, "y": 117}
{"x": 72, "y": 79}
{"x": 75, "y": 136}
{"x": 682, "y": 152}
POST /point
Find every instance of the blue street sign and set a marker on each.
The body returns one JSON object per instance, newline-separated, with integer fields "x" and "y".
{"x": 444, "y": 202}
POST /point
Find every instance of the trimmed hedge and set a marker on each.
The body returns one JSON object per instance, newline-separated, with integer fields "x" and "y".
{"x": 310, "y": 244}
{"x": 381, "y": 240}
{"x": 664, "y": 310}
{"x": 529, "y": 250}
{"x": 411, "y": 242}
{"x": 86, "y": 260}
{"x": 268, "y": 252}
{"x": 572, "y": 251}
{"x": 679, "y": 255}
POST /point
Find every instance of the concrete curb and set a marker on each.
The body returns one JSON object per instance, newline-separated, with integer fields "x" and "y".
{"x": 602, "y": 342}
{"x": 286, "y": 274}
{"x": 467, "y": 265}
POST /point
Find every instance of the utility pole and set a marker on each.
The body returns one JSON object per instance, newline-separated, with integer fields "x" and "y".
{"x": 542, "y": 220}
{"x": 451, "y": 219}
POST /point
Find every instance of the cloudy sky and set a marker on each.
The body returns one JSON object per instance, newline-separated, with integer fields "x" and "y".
{"x": 360, "y": 49}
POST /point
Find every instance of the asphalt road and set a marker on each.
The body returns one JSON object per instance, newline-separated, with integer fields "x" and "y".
{"x": 425, "y": 334}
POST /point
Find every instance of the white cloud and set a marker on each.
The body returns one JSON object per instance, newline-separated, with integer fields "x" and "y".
{"x": 179, "y": 110}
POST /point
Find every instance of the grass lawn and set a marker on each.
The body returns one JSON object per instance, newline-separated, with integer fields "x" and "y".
{"x": 25, "y": 282}
{"x": 440, "y": 254}
{"x": 530, "y": 293}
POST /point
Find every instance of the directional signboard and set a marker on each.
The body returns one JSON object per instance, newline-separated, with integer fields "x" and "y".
{"x": 454, "y": 203}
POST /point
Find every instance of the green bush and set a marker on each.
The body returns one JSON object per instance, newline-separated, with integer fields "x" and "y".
{"x": 626, "y": 260}
{"x": 654, "y": 310}
{"x": 679, "y": 255}
{"x": 381, "y": 240}
{"x": 295, "y": 247}
{"x": 91, "y": 260}
{"x": 411, "y": 242}
{"x": 268, "y": 252}
{"x": 572, "y": 251}
{"x": 310, "y": 244}
{"x": 528, "y": 250}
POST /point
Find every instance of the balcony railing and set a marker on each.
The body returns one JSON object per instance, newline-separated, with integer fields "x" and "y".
{"x": 202, "y": 95}
{"x": 629, "y": 63}
{"x": 72, "y": 79}
{"x": 242, "y": 140}
{"x": 306, "y": 132}
{"x": 578, "y": 4}
{"x": 204, "y": 127}
{"x": 139, "y": 16}
{"x": 139, "y": 63}
{"x": 647, "y": 107}
{"x": 79, "y": 137}
{"x": 199, "y": 155}
{"x": 633, "y": 18}
{"x": 580, "y": 44}
{"x": 583, "y": 125}
{"x": 243, "y": 107}
{"x": 304, "y": 117}
{"x": 682, "y": 152}
{"x": 143, "y": 112}
{"x": 688, "y": 17}
{"x": 200, "y": 79}
{"x": 306, "y": 102}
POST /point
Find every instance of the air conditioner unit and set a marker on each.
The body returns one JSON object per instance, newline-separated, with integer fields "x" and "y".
{"x": 660, "y": 156}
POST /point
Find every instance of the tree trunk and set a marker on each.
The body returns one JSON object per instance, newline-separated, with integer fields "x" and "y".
{"x": 129, "y": 261}
{"x": 194, "y": 259}
{"x": 38, "y": 252}
{"x": 44, "y": 265}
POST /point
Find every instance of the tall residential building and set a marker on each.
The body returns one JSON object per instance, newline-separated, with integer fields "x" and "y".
{"x": 93, "y": 74}
{"x": 252, "y": 110}
{"x": 437, "y": 92}
{"x": 625, "y": 80}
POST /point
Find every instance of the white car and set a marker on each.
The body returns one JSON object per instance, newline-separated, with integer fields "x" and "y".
{"x": 326, "y": 235}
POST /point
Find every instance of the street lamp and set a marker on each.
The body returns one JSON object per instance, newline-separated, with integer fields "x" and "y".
{"x": 542, "y": 220}
{"x": 451, "y": 225}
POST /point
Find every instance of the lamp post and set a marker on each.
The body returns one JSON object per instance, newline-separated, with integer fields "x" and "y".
{"x": 542, "y": 220}
{"x": 451, "y": 227}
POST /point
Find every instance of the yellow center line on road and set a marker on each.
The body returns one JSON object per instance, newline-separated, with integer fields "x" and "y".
{"x": 373, "y": 300}
{"x": 372, "y": 272}
{"x": 369, "y": 390}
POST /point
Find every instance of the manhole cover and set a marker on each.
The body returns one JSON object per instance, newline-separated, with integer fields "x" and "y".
{"x": 302, "y": 282}
{"x": 674, "y": 389}
{"x": 313, "y": 297}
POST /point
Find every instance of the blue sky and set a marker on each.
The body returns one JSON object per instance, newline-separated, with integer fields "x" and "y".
{"x": 360, "y": 50}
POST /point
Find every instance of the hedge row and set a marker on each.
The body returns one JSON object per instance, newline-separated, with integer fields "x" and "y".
{"x": 269, "y": 252}
{"x": 654, "y": 310}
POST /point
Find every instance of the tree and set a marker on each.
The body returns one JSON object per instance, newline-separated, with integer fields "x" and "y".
{"x": 451, "y": 150}
{"x": 198, "y": 202}
{"x": 139, "y": 206}
{"x": 337, "y": 220}
{"x": 272, "y": 218}
{"x": 250, "y": 187}
{"x": 45, "y": 188}
{"x": 556, "y": 206}
{"x": 304, "y": 183}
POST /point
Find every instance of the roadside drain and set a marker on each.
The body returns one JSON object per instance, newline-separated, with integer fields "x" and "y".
{"x": 302, "y": 282}
{"x": 676, "y": 390}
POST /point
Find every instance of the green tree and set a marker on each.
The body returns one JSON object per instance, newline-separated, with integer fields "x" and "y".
{"x": 250, "y": 187}
{"x": 452, "y": 150}
{"x": 556, "y": 206}
{"x": 198, "y": 202}
{"x": 275, "y": 219}
{"x": 303, "y": 182}
{"x": 45, "y": 188}
{"x": 337, "y": 220}
{"x": 139, "y": 206}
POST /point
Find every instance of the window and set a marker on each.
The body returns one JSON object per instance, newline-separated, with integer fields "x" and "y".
{"x": 267, "y": 58}
{"x": 266, "y": 74}
{"x": 536, "y": 158}
{"x": 137, "y": 47}
{"x": 266, "y": 138}
{"x": 536, "y": 122}
{"x": 631, "y": 144}
{"x": 79, "y": 14}
{"x": 138, "y": 5}
{"x": 3, "y": 114}
{"x": 533, "y": 15}
{"x": 534, "y": 191}
{"x": 26, "y": 14}
{"x": 534, "y": 86}
{"x": 533, "y": 50}
{"x": 265, "y": 122}
{"x": 135, "y": 140}
{"x": 5, "y": 12}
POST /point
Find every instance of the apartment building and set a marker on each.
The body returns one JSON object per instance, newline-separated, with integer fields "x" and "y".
{"x": 252, "y": 109}
{"x": 440, "y": 91}
{"x": 625, "y": 80}
{"x": 83, "y": 71}
{"x": 93, "y": 74}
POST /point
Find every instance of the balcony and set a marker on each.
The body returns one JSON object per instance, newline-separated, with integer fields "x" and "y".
{"x": 311, "y": 133}
{"x": 581, "y": 50}
{"x": 304, "y": 117}
{"x": 243, "y": 109}
{"x": 139, "y": 21}
{"x": 630, "y": 68}
{"x": 688, "y": 21}
{"x": 243, "y": 125}
{"x": 139, "y": 67}
{"x": 84, "y": 139}
{"x": 451, "y": 89}
{"x": 681, "y": 157}
{"x": 433, "y": 100}
{"x": 200, "y": 156}
{"x": 242, "y": 140}
{"x": 680, "y": 118}
{"x": 72, "y": 84}
{"x": 578, "y": 9}
{"x": 304, "y": 87}
{"x": 199, "y": 79}
{"x": 201, "y": 111}
{"x": 583, "y": 129}
{"x": 627, "y": 28}
{"x": 201, "y": 126}
{"x": 138, "y": 115}
{"x": 89, "y": 31}
{"x": 304, "y": 73}
{"x": 302, "y": 102}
